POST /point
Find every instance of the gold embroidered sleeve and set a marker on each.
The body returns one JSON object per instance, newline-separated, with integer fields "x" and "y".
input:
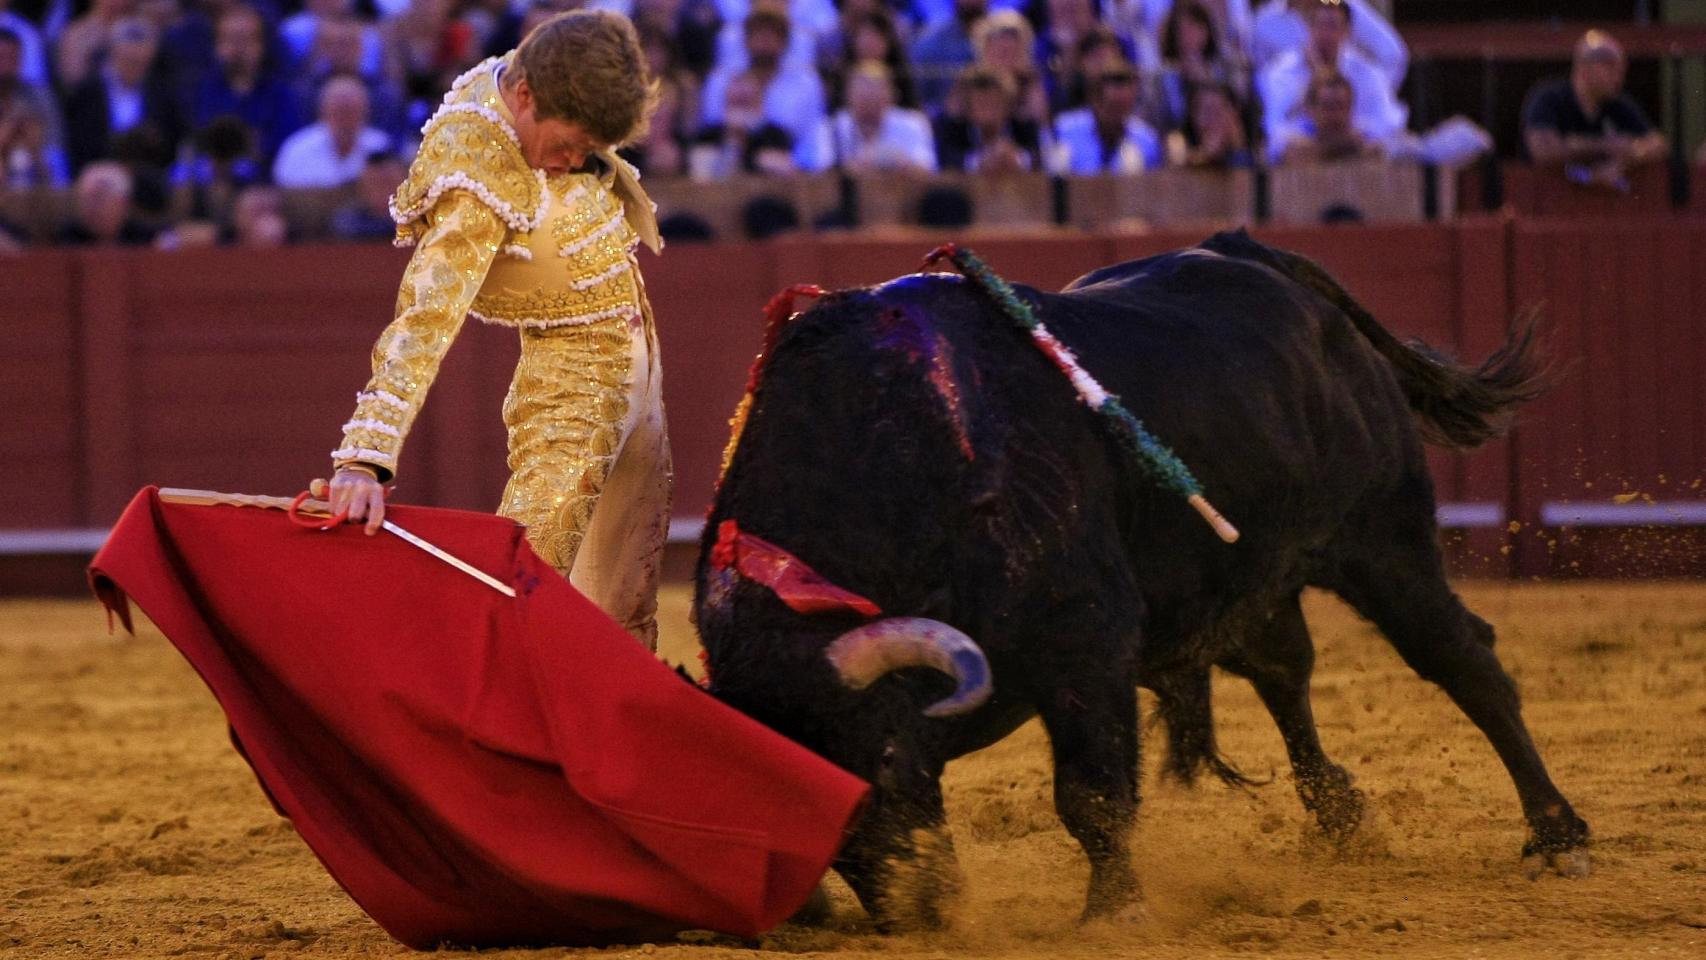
{"x": 461, "y": 237}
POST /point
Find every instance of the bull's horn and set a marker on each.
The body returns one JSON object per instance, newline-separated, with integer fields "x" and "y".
{"x": 863, "y": 655}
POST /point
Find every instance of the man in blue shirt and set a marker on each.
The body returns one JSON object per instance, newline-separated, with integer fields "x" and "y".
{"x": 242, "y": 86}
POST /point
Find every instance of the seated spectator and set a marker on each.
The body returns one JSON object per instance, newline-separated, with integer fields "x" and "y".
{"x": 368, "y": 217}
{"x": 871, "y": 37}
{"x": 691, "y": 25}
{"x": 1006, "y": 44}
{"x": 257, "y": 219}
{"x": 745, "y": 141}
{"x": 32, "y": 55}
{"x": 1100, "y": 49}
{"x": 1282, "y": 26}
{"x": 808, "y": 20}
{"x": 1067, "y": 24}
{"x": 1212, "y": 135}
{"x": 241, "y": 83}
{"x": 662, "y": 152}
{"x": 300, "y": 35}
{"x": 101, "y": 212}
{"x": 220, "y": 164}
{"x": 339, "y": 51}
{"x": 943, "y": 49}
{"x": 792, "y": 97}
{"x": 30, "y": 141}
{"x": 333, "y": 150}
{"x": 1193, "y": 54}
{"x": 84, "y": 40}
{"x": 1377, "y": 113}
{"x": 872, "y": 133}
{"x": 1108, "y": 136}
{"x": 1330, "y": 133}
{"x": 124, "y": 94}
{"x": 982, "y": 132}
{"x": 31, "y": 162}
{"x": 1144, "y": 23}
{"x": 664, "y": 60}
{"x": 1587, "y": 123}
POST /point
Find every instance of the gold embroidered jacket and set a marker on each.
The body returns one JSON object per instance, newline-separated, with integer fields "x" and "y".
{"x": 494, "y": 239}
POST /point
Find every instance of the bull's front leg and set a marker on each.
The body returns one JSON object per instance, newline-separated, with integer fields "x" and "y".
{"x": 1091, "y": 717}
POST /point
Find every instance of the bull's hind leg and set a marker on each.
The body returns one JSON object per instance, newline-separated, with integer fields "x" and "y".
{"x": 1405, "y": 593}
{"x": 1091, "y": 716}
{"x": 1278, "y": 662}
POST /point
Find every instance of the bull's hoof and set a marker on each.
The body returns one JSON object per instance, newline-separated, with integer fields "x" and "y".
{"x": 1573, "y": 864}
{"x": 1114, "y": 893}
{"x": 1338, "y": 806}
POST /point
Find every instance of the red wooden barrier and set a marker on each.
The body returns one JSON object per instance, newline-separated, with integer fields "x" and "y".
{"x": 1626, "y": 426}
{"x": 232, "y": 368}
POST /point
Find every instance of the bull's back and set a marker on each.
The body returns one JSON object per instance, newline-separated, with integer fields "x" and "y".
{"x": 1270, "y": 395}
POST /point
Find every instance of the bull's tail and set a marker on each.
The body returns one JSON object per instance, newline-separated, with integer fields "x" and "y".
{"x": 1454, "y": 406}
{"x": 1183, "y": 704}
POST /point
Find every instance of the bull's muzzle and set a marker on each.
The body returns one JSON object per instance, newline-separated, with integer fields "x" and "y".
{"x": 863, "y": 655}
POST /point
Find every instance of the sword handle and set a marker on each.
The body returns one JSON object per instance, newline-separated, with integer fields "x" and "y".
{"x": 213, "y": 498}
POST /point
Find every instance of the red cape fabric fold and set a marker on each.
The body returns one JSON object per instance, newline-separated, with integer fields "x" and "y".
{"x": 474, "y": 769}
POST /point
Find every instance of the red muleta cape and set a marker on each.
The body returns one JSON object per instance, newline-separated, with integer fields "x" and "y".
{"x": 474, "y": 769}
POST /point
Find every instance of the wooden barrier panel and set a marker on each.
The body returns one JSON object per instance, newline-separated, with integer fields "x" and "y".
{"x": 1173, "y": 198}
{"x": 1379, "y": 191}
{"x": 1625, "y": 426}
{"x": 41, "y": 440}
{"x": 722, "y": 205}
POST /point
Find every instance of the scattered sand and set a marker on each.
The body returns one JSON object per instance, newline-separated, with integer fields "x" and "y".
{"x": 130, "y": 828}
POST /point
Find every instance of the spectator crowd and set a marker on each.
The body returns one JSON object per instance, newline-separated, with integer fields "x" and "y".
{"x": 179, "y": 122}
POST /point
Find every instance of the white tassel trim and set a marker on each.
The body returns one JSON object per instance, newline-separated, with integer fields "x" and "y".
{"x": 383, "y": 396}
{"x": 616, "y": 270}
{"x": 544, "y": 323}
{"x": 518, "y": 251}
{"x": 365, "y": 455}
{"x": 1086, "y": 385}
{"x": 461, "y": 181}
{"x": 604, "y": 229}
{"x": 377, "y": 426}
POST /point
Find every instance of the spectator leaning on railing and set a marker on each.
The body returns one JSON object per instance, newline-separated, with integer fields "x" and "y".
{"x": 1587, "y": 123}
{"x": 101, "y": 209}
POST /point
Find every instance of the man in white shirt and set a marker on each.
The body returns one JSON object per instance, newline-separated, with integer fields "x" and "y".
{"x": 874, "y": 134}
{"x": 1378, "y": 114}
{"x": 793, "y": 97}
{"x": 1281, "y": 26}
{"x": 333, "y": 150}
{"x": 1107, "y": 136}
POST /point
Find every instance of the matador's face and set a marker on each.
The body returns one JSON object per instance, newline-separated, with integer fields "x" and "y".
{"x": 550, "y": 144}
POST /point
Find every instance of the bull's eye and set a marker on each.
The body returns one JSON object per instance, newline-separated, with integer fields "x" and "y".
{"x": 889, "y": 753}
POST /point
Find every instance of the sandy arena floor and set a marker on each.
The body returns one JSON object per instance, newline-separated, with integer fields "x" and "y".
{"x": 129, "y": 827}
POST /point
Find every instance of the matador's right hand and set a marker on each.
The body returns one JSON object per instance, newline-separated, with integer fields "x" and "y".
{"x": 359, "y": 492}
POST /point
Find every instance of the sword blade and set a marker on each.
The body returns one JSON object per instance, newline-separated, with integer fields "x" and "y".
{"x": 452, "y": 559}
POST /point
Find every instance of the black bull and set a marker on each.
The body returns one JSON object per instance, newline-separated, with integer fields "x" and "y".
{"x": 913, "y": 446}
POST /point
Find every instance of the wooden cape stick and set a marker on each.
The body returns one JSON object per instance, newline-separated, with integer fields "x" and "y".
{"x": 212, "y": 498}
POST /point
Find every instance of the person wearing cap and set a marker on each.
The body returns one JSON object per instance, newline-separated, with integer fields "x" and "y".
{"x": 522, "y": 215}
{"x": 1586, "y": 122}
